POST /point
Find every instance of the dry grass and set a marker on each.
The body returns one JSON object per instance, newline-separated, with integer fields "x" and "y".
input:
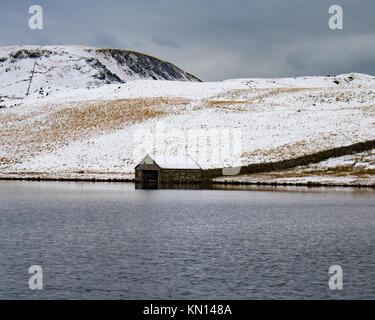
{"x": 307, "y": 173}
{"x": 311, "y": 171}
{"x": 231, "y": 105}
{"x": 214, "y": 103}
{"x": 256, "y": 95}
{"x": 288, "y": 151}
{"x": 340, "y": 171}
{"x": 31, "y": 133}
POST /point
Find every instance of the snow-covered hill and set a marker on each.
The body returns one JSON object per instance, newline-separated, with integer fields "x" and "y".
{"x": 30, "y": 70}
{"x": 97, "y": 130}
{"x": 350, "y": 170}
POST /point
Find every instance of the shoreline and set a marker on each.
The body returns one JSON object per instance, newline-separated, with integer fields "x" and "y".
{"x": 36, "y": 179}
{"x": 296, "y": 184}
{"x": 129, "y": 179}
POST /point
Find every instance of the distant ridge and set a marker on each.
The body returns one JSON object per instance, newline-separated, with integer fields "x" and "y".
{"x": 26, "y": 70}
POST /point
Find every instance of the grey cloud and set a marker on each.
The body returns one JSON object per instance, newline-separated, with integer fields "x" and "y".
{"x": 169, "y": 43}
{"x": 213, "y": 39}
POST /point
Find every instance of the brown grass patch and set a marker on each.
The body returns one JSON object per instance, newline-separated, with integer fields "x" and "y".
{"x": 27, "y": 134}
{"x": 288, "y": 151}
{"x": 233, "y": 105}
{"x": 263, "y": 93}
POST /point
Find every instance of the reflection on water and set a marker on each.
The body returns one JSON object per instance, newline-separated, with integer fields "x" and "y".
{"x": 155, "y": 185}
{"x": 253, "y": 187}
{"x": 111, "y": 241}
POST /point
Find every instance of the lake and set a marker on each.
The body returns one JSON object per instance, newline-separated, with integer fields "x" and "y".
{"x": 110, "y": 241}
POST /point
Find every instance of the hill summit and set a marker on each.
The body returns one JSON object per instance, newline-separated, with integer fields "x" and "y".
{"x": 26, "y": 70}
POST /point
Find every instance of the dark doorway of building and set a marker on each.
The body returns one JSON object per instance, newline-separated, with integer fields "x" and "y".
{"x": 150, "y": 179}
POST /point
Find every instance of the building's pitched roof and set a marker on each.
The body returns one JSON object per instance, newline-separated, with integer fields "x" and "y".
{"x": 170, "y": 162}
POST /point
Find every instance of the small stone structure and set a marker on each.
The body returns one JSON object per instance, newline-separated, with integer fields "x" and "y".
{"x": 159, "y": 169}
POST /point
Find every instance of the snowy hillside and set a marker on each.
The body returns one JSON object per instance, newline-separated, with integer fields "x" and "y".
{"x": 101, "y": 131}
{"x": 30, "y": 70}
{"x": 356, "y": 169}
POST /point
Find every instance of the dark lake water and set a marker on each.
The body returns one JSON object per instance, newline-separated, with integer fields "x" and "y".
{"x": 109, "y": 241}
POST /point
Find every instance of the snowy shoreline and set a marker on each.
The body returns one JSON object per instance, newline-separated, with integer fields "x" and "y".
{"x": 233, "y": 182}
{"x": 295, "y": 184}
{"x": 69, "y": 177}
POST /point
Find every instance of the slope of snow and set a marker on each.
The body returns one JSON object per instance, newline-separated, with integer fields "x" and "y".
{"x": 355, "y": 169}
{"x": 219, "y": 124}
{"x": 253, "y": 88}
{"x": 41, "y": 71}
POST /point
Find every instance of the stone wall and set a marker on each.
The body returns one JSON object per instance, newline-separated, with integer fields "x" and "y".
{"x": 300, "y": 161}
{"x": 174, "y": 176}
{"x": 170, "y": 176}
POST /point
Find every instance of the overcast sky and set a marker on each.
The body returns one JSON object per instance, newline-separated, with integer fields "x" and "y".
{"x": 212, "y": 39}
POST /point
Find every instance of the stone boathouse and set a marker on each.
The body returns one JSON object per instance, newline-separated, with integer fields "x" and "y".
{"x": 160, "y": 169}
